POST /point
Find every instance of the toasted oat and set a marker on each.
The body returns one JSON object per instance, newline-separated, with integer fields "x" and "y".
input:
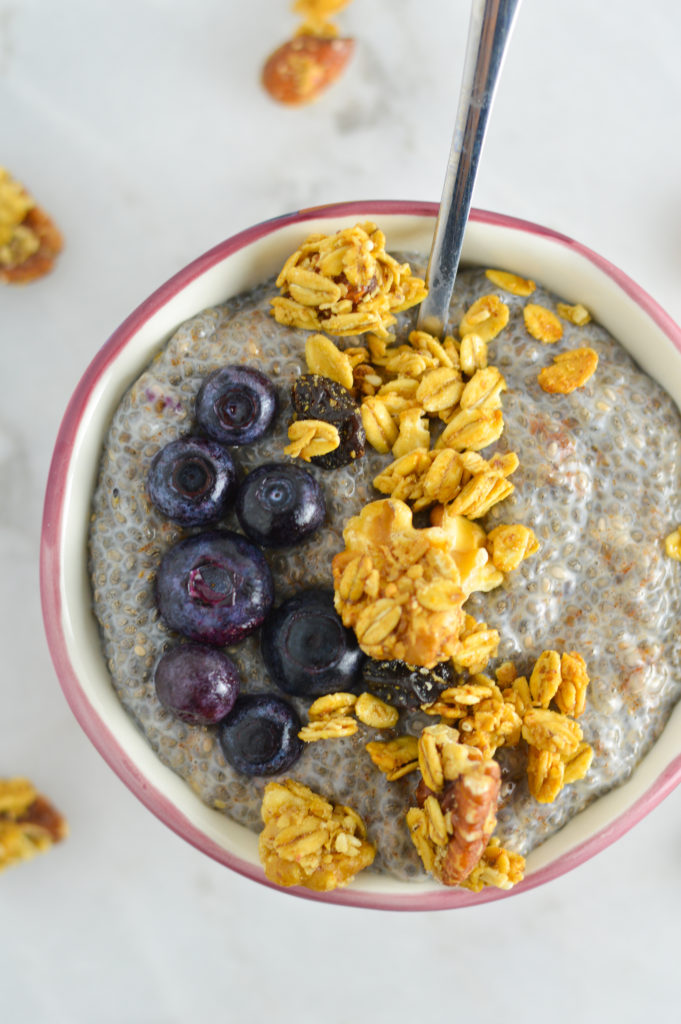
{"x": 571, "y": 693}
{"x": 542, "y": 324}
{"x": 310, "y": 438}
{"x": 325, "y": 358}
{"x": 578, "y": 765}
{"x": 570, "y": 371}
{"x": 509, "y": 544}
{"x": 545, "y": 678}
{"x": 472, "y": 429}
{"x": 577, "y": 314}
{"x": 439, "y": 389}
{"x": 395, "y": 758}
{"x": 672, "y": 544}
{"x": 472, "y": 354}
{"x": 379, "y": 426}
{"x": 551, "y": 731}
{"x": 332, "y": 705}
{"x": 486, "y": 318}
{"x": 307, "y": 841}
{"x": 512, "y": 283}
{"x": 545, "y": 774}
{"x": 335, "y": 727}
{"x": 413, "y": 432}
{"x": 372, "y": 711}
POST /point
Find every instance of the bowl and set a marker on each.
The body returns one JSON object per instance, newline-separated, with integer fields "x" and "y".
{"x": 560, "y": 264}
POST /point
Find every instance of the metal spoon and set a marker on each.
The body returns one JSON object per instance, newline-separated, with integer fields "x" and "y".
{"x": 489, "y": 32}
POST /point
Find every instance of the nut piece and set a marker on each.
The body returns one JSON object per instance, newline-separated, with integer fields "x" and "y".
{"x": 511, "y": 282}
{"x": 307, "y": 841}
{"x": 570, "y": 371}
{"x": 29, "y": 824}
{"x": 542, "y": 324}
{"x": 303, "y": 67}
{"x": 459, "y": 797}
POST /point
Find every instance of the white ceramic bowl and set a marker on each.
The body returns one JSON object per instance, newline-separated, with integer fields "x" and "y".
{"x": 561, "y": 265}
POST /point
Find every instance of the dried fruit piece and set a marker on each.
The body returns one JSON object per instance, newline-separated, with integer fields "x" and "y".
{"x": 319, "y": 398}
{"x": 570, "y": 371}
{"x": 512, "y": 283}
{"x": 541, "y": 323}
{"x": 303, "y": 67}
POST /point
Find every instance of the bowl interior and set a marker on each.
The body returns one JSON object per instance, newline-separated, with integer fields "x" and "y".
{"x": 491, "y": 240}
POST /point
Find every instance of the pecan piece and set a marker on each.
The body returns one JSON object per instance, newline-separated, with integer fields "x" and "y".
{"x": 303, "y": 67}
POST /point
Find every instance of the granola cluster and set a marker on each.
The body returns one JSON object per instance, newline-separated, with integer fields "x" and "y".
{"x": 345, "y": 284}
{"x": 29, "y": 240}
{"x": 457, "y": 799}
{"x": 307, "y": 841}
{"x": 28, "y": 823}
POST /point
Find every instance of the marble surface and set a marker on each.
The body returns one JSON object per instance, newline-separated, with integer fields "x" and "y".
{"x": 142, "y": 127}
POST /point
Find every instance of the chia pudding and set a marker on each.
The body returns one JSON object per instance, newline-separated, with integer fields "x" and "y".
{"x": 599, "y": 482}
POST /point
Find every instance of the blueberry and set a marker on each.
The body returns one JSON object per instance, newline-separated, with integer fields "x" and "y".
{"x": 192, "y": 481}
{"x": 279, "y": 505}
{"x": 215, "y": 587}
{"x": 319, "y": 398}
{"x": 198, "y": 684}
{"x": 306, "y": 648}
{"x": 260, "y": 736}
{"x": 236, "y": 405}
{"x": 406, "y": 686}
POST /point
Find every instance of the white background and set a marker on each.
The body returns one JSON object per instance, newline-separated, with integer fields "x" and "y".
{"x": 141, "y": 126}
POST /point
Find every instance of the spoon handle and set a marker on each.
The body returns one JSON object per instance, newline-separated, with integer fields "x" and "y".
{"x": 490, "y": 28}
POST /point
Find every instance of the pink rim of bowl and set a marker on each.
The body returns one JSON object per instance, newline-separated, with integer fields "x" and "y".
{"x": 561, "y": 264}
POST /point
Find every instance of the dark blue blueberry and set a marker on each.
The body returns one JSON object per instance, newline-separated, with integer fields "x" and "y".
{"x": 315, "y": 397}
{"x": 406, "y": 686}
{"x": 260, "y": 736}
{"x": 307, "y": 649}
{"x": 214, "y": 587}
{"x": 280, "y": 504}
{"x": 192, "y": 481}
{"x": 236, "y": 405}
{"x": 198, "y": 684}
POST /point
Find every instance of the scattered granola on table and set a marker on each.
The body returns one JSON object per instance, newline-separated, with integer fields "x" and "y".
{"x": 29, "y": 240}
{"x": 302, "y": 68}
{"x": 483, "y": 490}
{"x": 29, "y": 824}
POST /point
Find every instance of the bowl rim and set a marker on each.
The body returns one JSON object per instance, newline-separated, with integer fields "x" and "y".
{"x": 52, "y": 598}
